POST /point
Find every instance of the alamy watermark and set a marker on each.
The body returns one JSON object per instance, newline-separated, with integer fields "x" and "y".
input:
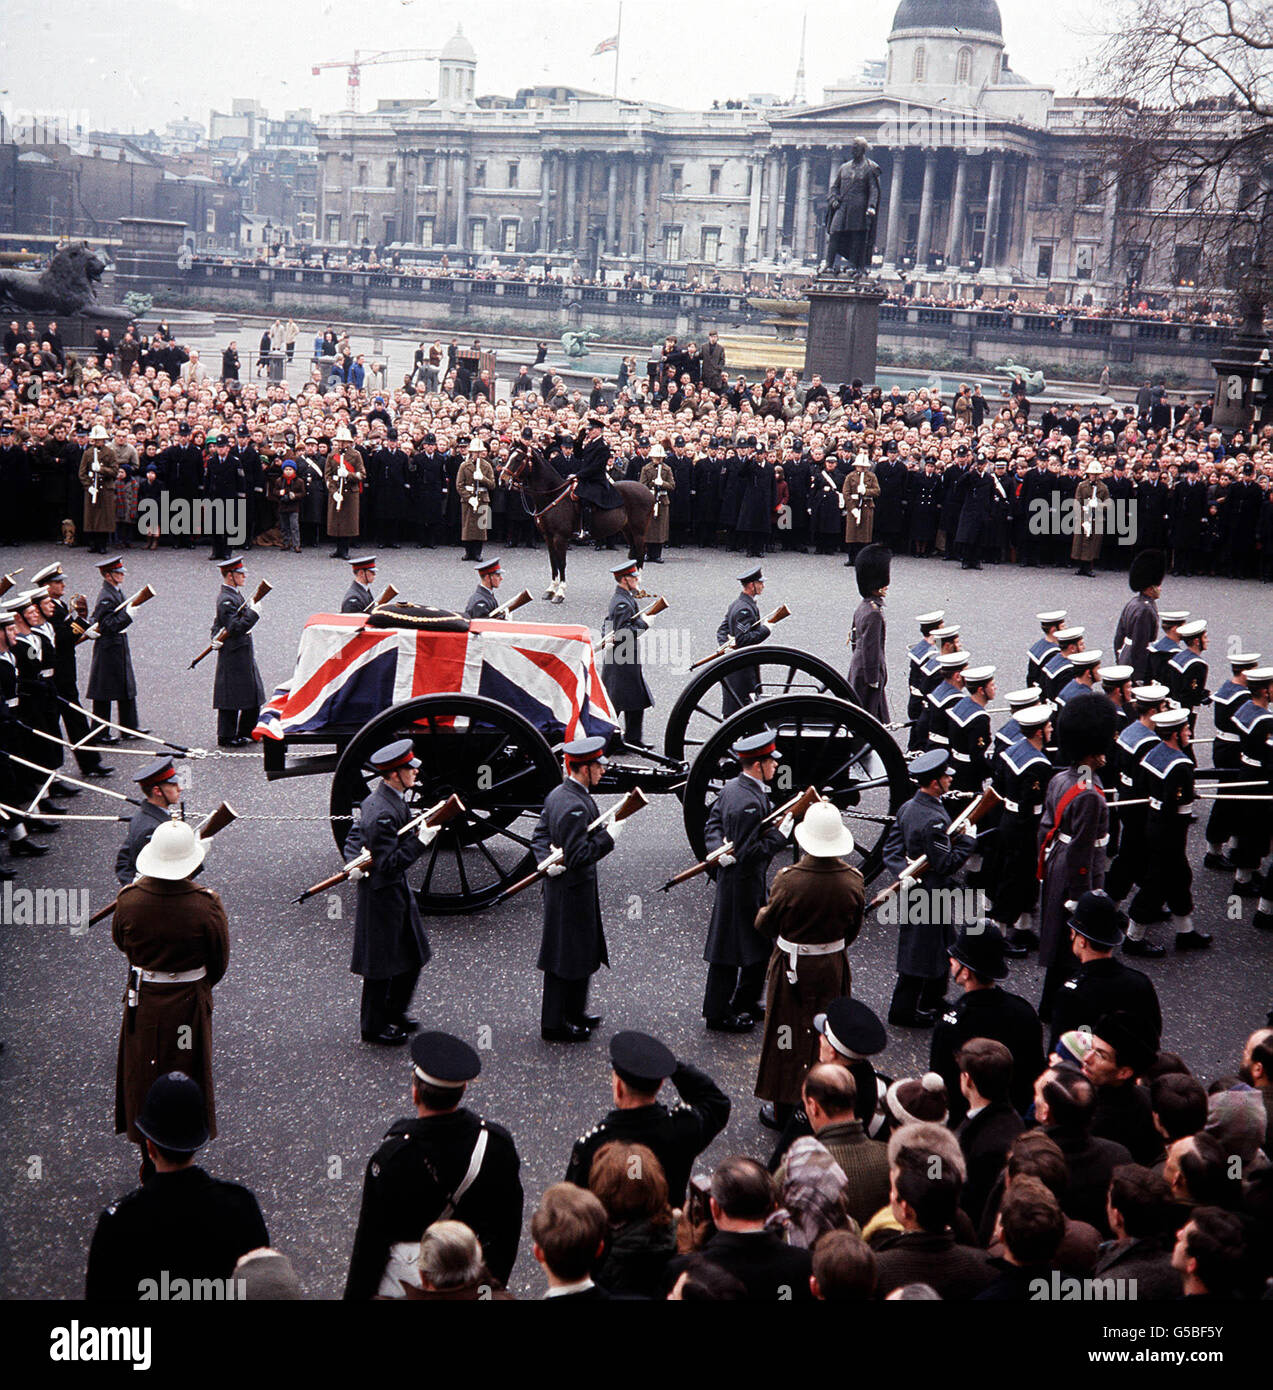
{"x": 166, "y": 515}
{"x": 44, "y": 907}
{"x": 1070, "y": 517}
{"x": 920, "y": 127}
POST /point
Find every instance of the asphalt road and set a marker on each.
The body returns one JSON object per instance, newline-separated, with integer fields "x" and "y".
{"x": 301, "y": 1102}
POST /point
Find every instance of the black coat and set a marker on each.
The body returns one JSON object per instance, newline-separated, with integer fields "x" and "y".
{"x": 1124, "y": 1114}
{"x": 1091, "y": 1162}
{"x": 1002, "y": 1017}
{"x": 389, "y": 937}
{"x": 110, "y": 674}
{"x": 1103, "y": 986}
{"x": 770, "y": 1270}
{"x": 675, "y": 1134}
{"x": 975, "y": 514}
{"x": 238, "y": 682}
{"x": 428, "y": 488}
{"x": 187, "y": 1225}
{"x": 759, "y": 497}
{"x": 593, "y": 483}
{"x": 732, "y": 938}
{"x": 573, "y": 945}
{"x": 985, "y": 1140}
{"x": 411, "y": 1178}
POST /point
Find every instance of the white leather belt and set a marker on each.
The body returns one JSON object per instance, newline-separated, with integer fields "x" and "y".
{"x": 1228, "y": 738}
{"x": 939, "y": 738}
{"x": 172, "y": 977}
{"x": 1184, "y": 808}
{"x": 47, "y": 674}
{"x": 14, "y": 702}
{"x": 793, "y": 950}
{"x": 960, "y": 757}
{"x": 1068, "y": 839}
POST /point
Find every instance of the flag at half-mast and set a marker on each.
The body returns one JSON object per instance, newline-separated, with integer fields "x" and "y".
{"x": 606, "y": 45}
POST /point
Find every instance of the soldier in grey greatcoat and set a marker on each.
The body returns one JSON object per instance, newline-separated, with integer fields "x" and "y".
{"x": 868, "y": 670}
{"x": 358, "y": 597}
{"x": 110, "y": 674}
{"x": 390, "y": 947}
{"x": 1138, "y": 622}
{"x": 742, "y": 624}
{"x": 621, "y": 653}
{"x": 736, "y": 952}
{"x": 482, "y": 603}
{"x": 921, "y": 830}
{"x": 573, "y": 947}
{"x": 158, "y": 783}
{"x": 237, "y": 691}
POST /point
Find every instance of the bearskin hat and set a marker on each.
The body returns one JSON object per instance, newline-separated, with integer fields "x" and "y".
{"x": 1085, "y": 726}
{"x": 872, "y": 566}
{"x": 1149, "y": 568}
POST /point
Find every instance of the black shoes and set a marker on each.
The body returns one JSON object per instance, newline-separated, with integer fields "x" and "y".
{"x": 1263, "y": 921}
{"x": 588, "y": 1021}
{"x": 101, "y": 770}
{"x": 106, "y": 738}
{"x": 24, "y": 849}
{"x": 1192, "y": 940}
{"x": 768, "y": 1116}
{"x": 1249, "y": 889}
{"x": 914, "y": 1018}
{"x": 1144, "y": 948}
{"x": 567, "y": 1033}
{"x": 731, "y": 1023}
{"x": 409, "y": 1025}
{"x": 389, "y": 1036}
{"x": 63, "y": 789}
{"x": 1212, "y": 860}
{"x": 1013, "y": 948}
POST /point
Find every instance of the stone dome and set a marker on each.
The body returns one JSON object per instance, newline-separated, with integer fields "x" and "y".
{"x": 458, "y": 49}
{"x": 981, "y": 16}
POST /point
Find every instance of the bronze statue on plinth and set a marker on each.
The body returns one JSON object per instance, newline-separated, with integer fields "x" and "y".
{"x": 853, "y": 204}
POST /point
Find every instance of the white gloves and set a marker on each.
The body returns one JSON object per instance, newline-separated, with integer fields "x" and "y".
{"x": 726, "y": 861}
{"x": 217, "y": 645}
{"x": 356, "y": 873}
{"x": 474, "y": 503}
{"x": 970, "y": 831}
{"x": 426, "y": 834}
{"x": 555, "y": 870}
{"x": 786, "y": 825}
{"x": 253, "y": 607}
{"x": 615, "y": 828}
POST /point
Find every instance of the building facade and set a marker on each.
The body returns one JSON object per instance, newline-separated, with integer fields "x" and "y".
{"x": 987, "y": 179}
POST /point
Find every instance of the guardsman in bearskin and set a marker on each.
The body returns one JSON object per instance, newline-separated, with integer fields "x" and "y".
{"x": 621, "y": 654}
{"x": 868, "y": 669}
{"x": 1138, "y": 622}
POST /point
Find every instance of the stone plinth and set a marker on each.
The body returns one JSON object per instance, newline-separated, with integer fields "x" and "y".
{"x": 147, "y": 254}
{"x": 844, "y": 326}
{"x": 1244, "y": 383}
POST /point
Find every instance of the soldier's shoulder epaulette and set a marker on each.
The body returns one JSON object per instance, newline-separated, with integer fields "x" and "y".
{"x": 588, "y": 1135}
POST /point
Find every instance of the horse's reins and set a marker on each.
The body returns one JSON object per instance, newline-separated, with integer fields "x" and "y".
{"x": 530, "y": 510}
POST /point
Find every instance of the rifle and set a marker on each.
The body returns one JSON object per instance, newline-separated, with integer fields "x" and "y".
{"x": 94, "y": 470}
{"x": 629, "y": 806}
{"x": 437, "y": 815}
{"x": 216, "y": 822}
{"x": 387, "y": 597}
{"x": 775, "y": 617}
{"x": 984, "y": 804}
{"x": 262, "y": 589}
{"x": 514, "y": 603}
{"x": 7, "y": 582}
{"x": 658, "y": 606}
{"x": 143, "y": 595}
{"x": 795, "y": 807}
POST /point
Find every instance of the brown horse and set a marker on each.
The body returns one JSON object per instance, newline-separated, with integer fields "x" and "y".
{"x": 551, "y": 501}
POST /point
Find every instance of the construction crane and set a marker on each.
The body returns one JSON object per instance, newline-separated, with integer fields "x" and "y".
{"x": 353, "y": 82}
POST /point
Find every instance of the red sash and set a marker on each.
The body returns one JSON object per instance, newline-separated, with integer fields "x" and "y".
{"x": 1066, "y": 798}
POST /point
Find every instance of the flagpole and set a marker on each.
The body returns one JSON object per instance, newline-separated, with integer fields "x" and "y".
{"x": 618, "y": 35}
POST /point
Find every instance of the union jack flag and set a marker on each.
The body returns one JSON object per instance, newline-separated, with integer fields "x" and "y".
{"x": 347, "y": 672}
{"x": 606, "y": 45}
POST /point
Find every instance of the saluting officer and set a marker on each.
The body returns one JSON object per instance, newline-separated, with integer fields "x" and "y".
{"x": 921, "y": 829}
{"x": 445, "y": 1163}
{"x": 1138, "y": 622}
{"x": 736, "y": 953}
{"x": 159, "y": 785}
{"x": 573, "y": 947}
{"x": 237, "y": 692}
{"x": 675, "y": 1134}
{"x": 1169, "y": 770}
{"x": 1226, "y": 756}
{"x": 742, "y": 624}
{"x": 483, "y": 602}
{"x": 868, "y": 669}
{"x": 985, "y": 1010}
{"x": 110, "y": 673}
{"x": 65, "y": 669}
{"x": 1101, "y": 984}
{"x": 1021, "y": 776}
{"x": 621, "y": 654}
{"x": 177, "y": 941}
{"x": 358, "y": 597}
{"x": 921, "y": 662}
{"x": 390, "y": 947}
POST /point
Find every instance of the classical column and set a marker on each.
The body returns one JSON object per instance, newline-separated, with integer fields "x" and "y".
{"x": 1109, "y": 245}
{"x": 753, "y": 209}
{"x": 958, "y": 211}
{"x": 989, "y": 245}
{"x": 461, "y": 199}
{"x": 442, "y": 212}
{"x": 642, "y": 207}
{"x": 566, "y": 232}
{"x": 800, "y": 231}
{"x": 774, "y": 167}
{"x": 926, "y": 210}
{"x": 545, "y": 196}
{"x": 893, "y": 236}
{"x": 1017, "y": 214}
{"x": 612, "y": 203}
{"x": 585, "y": 197}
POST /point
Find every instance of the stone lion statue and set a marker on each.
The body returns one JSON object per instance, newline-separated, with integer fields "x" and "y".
{"x": 574, "y": 342}
{"x": 65, "y": 286}
{"x": 1034, "y": 381}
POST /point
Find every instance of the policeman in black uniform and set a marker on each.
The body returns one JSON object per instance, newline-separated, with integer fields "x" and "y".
{"x": 985, "y": 1010}
{"x": 482, "y": 603}
{"x": 1102, "y": 983}
{"x": 621, "y": 654}
{"x": 159, "y": 785}
{"x": 444, "y": 1163}
{"x": 182, "y": 1223}
{"x": 358, "y": 597}
{"x": 675, "y": 1134}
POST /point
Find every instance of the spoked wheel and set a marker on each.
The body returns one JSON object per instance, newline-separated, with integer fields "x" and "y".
{"x": 824, "y": 742}
{"x": 496, "y": 762}
{"x": 698, "y": 711}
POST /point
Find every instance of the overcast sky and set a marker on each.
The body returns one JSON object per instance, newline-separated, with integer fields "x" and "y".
{"x": 138, "y": 65}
